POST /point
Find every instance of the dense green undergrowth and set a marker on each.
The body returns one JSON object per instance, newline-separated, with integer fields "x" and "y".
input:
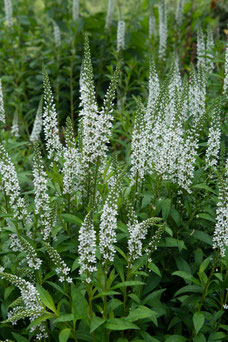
{"x": 113, "y": 172}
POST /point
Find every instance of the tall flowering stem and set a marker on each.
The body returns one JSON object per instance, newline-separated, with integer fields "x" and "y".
{"x": 11, "y": 185}
{"x": 138, "y": 147}
{"x": 87, "y": 247}
{"x": 2, "y": 110}
{"x": 163, "y": 29}
{"x": 95, "y": 127}
{"x": 212, "y": 153}
{"x": 9, "y": 12}
{"x": 108, "y": 224}
{"x": 225, "y": 85}
{"x": 75, "y": 10}
{"x": 220, "y": 237}
{"x": 109, "y": 14}
{"x": 121, "y": 35}
{"x": 31, "y": 305}
{"x": 42, "y": 200}
{"x": 37, "y": 126}
{"x": 50, "y": 121}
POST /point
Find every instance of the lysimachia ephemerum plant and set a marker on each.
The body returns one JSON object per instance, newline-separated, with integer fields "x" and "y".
{"x": 11, "y": 186}
{"x": 8, "y": 12}
{"x": 37, "y": 125}
{"x": 42, "y": 200}
{"x": 50, "y": 121}
{"x": 95, "y": 128}
{"x": 163, "y": 29}
{"x": 2, "y": 110}
{"x": 109, "y": 15}
{"x": 225, "y": 84}
{"x": 220, "y": 238}
{"x": 30, "y": 305}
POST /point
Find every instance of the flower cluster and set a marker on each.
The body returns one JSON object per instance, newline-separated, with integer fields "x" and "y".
{"x": 138, "y": 147}
{"x": 204, "y": 49}
{"x": 95, "y": 126}
{"x": 212, "y": 153}
{"x": 71, "y": 160}
{"x": 2, "y": 110}
{"x": 152, "y": 26}
{"x": 108, "y": 224}
{"x": 75, "y": 10}
{"x": 163, "y": 29}
{"x": 18, "y": 243}
{"x": 179, "y": 12}
{"x": 42, "y": 201}
{"x": 220, "y": 238}
{"x": 11, "y": 185}
{"x": 87, "y": 247}
{"x": 138, "y": 232}
{"x": 50, "y": 121}
{"x": 32, "y": 307}
{"x": 9, "y": 12}
{"x": 121, "y": 35}
{"x": 15, "y": 127}
{"x": 225, "y": 85}
{"x": 37, "y": 126}
{"x": 61, "y": 268}
{"x": 109, "y": 15}
{"x": 57, "y": 34}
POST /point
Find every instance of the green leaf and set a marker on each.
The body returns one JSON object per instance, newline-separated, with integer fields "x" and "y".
{"x": 204, "y": 265}
{"x": 46, "y": 298}
{"x": 72, "y": 219}
{"x": 186, "y": 276}
{"x": 108, "y": 293}
{"x": 204, "y": 187}
{"x": 154, "y": 268}
{"x": 96, "y": 322}
{"x": 64, "y": 335}
{"x": 128, "y": 283}
{"x": 120, "y": 324}
{"x": 189, "y": 288}
{"x": 64, "y": 317}
{"x": 39, "y": 320}
{"x": 198, "y": 321}
{"x": 202, "y": 236}
{"x": 206, "y": 216}
{"x": 19, "y": 338}
{"x": 171, "y": 242}
{"x": 142, "y": 312}
{"x": 200, "y": 338}
{"x": 166, "y": 205}
{"x": 75, "y": 264}
{"x": 176, "y": 338}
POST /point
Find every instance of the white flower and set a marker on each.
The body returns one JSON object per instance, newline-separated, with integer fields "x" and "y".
{"x": 225, "y": 85}
{"x": 19, "y": 244}
{"x": 75, "y": 10}
{"x": 152, "y": 26}
{"x": 163, "y": 29}
{"x": 62, "y": 269}
{"x": 209, "y": 47}
{"x": 9, "y": 12}
{"x": 121, "y": 35}
{"x": 15, "y": 127}
{"x": 37, "y": 126}
{"x": 57, "y": 34}
{"x": 87, "y": 247}
{"x": 201, "y": 50}
{"x": 220, "y": 238}
{"x": 31, "y": 300}
{"x": 11, "y": 185}
{"x": 109, "y": 15}
{"x": 2, "y": 110}
{"x": 212, "y": 153}
{"x": 42, "y": 201}
{"x": 50, "y": 121}
{"x": 179, "y": 11}
{"x": 108, "y": 224}
{"x": 138, "y": 147}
